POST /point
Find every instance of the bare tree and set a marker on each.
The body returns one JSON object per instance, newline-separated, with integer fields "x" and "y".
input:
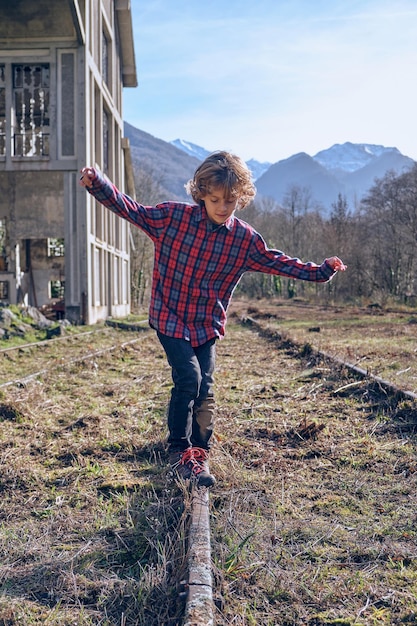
{"x": 148, "y": 190}
{"x": 391, "y": 212}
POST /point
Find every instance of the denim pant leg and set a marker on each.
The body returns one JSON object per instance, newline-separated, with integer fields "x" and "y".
{"x": 192, "y": 376}
{"x": 203, "y": 410}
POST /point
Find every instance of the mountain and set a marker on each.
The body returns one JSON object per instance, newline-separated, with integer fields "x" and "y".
{"x": 349, "y": 157}
{"x": 347, "y": 169}
{"x": 256, "y": 167}
{"x": 170, "y": 167}
{"x": 299, "y": 170}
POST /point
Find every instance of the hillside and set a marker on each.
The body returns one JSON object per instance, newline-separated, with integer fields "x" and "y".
{"x": 170, "y": 167}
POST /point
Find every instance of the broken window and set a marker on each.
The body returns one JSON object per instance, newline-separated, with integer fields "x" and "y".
{"x": 57, "y": 289}
{"x": 56, "y": 247}
{"x": 4, "y": 289}
{"x": 2, "y": 111}
{"x": 31, "y": 110}
{"x": 3, "y": 236}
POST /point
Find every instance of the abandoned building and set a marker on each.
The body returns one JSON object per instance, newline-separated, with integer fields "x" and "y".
{"x": 63, "y": 65}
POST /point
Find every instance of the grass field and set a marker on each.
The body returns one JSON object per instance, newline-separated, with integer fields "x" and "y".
{"x": 313, "y": 516}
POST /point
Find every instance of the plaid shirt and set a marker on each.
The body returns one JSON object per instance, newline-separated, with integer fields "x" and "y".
{"x": 197, "y": 264}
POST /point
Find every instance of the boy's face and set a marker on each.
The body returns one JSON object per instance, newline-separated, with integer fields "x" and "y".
{"x": 219, "y": 207}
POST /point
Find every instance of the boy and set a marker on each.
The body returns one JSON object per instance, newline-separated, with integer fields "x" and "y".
{"x": 201, "y": 252}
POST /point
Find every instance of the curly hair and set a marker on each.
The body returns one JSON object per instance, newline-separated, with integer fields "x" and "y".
{"x": 227, "y": 171}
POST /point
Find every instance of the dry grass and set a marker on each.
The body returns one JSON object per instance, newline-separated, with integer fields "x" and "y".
{"x": 313, "y": 516}
{"x": 89, "y": 519}
{"x": 316, "y": 520}
{"x": 381, "y": 341}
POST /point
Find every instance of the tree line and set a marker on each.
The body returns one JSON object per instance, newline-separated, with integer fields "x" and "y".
{"x": 377, "y": 239}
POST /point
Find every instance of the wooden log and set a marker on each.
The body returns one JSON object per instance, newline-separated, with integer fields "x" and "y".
{"x": 199, "y": 604}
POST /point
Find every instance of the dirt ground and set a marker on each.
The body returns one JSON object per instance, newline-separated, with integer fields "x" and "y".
{"x": 313, "y": 516}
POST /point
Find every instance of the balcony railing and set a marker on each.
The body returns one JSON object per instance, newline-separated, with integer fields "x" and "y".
{"x": 30, "y": 144}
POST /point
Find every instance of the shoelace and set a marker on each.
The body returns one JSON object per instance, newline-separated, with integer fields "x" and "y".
{"x": 195, "y": 456}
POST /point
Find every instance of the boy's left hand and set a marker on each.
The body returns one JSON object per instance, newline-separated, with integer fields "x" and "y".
{"x": 336, "y": 264}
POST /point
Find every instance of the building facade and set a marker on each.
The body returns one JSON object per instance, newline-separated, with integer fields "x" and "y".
{"x": 63, "y": 66}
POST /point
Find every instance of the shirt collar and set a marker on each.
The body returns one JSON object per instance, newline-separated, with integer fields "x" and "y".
{"x": 201, "y": 214}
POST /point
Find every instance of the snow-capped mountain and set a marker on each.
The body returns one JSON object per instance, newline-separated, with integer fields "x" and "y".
{"x": 200, "y": 153}
{"x": 350, "y": 157}
{"x": 257, "y": 168}
{"x": 191, "y": 148}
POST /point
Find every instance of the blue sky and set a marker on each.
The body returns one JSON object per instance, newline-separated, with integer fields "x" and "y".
{"x": 270, "y": 78}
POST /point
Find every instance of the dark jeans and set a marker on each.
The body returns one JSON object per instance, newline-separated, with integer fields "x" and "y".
{"x": 191, "y": 408}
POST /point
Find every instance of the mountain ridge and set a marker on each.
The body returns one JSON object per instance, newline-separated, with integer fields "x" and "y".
{"x": 330, "y": 175}
{"x": 347, "y": 169}
{"x": 350, "y": 156}
{"x": 257, "y": 167}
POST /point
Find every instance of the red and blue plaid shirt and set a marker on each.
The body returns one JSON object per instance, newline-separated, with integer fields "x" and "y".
{"x": 198, "y": 264}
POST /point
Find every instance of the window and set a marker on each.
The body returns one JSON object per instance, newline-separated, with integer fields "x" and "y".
{"x": 31, "y": 110}
{"x": 2, "y": 111}
{"x": 106, "y": 131}
{"x": 57, "y": 288}
{"x": 3, "y": 236}
{"x": 4, "y": 289}
{"x": 56, "y": 247}
{"x": 105, "y": 59}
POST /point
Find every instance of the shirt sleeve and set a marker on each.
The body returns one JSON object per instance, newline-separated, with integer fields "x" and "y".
{"x": 269, "y": 261}
{"x": 152, "y": 220}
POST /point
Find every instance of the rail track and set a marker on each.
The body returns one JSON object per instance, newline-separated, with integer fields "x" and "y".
{"x": 388, "y": 386}
{"x": 25, "y": 362}
{"x": 17, "y": 362}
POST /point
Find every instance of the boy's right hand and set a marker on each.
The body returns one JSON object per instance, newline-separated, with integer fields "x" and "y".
{"x": 336, "y": 264}
{"x": 87, "y": 177}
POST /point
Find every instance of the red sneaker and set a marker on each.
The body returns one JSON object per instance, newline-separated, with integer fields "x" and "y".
{"x": 192, "y": 464}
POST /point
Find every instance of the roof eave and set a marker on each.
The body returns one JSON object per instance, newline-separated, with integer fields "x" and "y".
{"x": 127, "y": 47}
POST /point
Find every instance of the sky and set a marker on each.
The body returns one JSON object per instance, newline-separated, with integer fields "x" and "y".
{"x": 267, "y": 79}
